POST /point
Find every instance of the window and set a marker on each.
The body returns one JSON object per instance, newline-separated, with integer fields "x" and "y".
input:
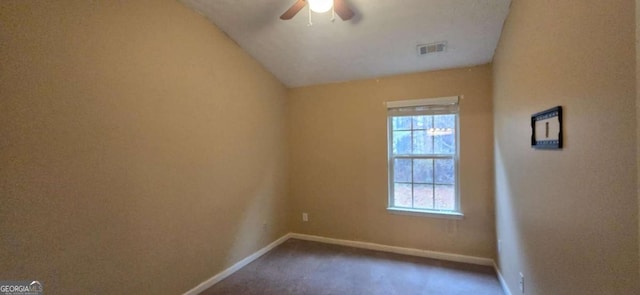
{"x": 423, "y": 156}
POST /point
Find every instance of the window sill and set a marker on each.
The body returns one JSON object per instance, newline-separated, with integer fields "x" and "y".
{"x": 426, "y": 213}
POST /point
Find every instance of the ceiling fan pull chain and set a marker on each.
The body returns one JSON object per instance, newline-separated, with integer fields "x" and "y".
{"x": 310, "y": 23}
{"x": 333, "y": 13}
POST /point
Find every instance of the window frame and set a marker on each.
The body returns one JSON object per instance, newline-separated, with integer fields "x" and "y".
{"x": 456, "y": 213}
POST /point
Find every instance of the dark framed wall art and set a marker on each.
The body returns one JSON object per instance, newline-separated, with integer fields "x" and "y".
{"x": 546, "y": 129}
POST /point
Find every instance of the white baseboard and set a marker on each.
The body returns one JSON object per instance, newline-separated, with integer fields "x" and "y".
{"x": 398, "y": 250}
{"x": 357, "y": 244}
{"x": 240, "y": 264}
{"x": 503, "y": 283}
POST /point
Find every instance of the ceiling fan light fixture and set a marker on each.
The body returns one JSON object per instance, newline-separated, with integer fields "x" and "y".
{"x": 320, "y": 6}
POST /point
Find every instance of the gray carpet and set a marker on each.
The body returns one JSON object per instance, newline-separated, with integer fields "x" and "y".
{"x": 303, "y": 267}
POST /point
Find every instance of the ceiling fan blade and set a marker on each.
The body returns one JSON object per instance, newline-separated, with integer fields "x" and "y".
{"x": 291, "y": 12}
{"x": 342, "y": 9}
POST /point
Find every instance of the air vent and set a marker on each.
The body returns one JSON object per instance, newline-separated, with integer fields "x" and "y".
{"x": 425, "y": 49}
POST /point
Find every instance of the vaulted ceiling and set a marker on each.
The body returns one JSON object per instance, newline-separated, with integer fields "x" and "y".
{"x": 379, "y": 41}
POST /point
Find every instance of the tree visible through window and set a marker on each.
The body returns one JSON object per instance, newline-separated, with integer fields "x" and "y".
{"x": 423, "y": 154}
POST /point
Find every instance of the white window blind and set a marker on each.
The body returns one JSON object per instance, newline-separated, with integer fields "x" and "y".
{"x": 443, "y": 105}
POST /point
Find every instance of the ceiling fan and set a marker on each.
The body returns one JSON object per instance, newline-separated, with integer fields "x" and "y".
{"x": 320, "y": 6}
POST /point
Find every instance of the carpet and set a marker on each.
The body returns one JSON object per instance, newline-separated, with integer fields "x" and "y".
{"x": 305, "y": 267}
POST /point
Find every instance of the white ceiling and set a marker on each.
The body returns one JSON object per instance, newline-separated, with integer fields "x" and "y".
{"x": 379, "y": 41}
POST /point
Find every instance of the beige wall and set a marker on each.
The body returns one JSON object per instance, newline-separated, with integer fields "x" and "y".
{"x": 338, "y": 163}
{"x": 141, "y": 151}
{"x": 638, "y": 120}
{"x": 568, "y": 219}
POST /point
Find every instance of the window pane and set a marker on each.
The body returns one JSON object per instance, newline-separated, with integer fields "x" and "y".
{"x": 423, "y": 196}
{"x": 422, "y": 122}
{"x": 422, "y": 142}
{"x": 445, "y": 197}
{"x": 423, "y": 170}
{"x": 426, "y": 182}
{"x": 402, "y": 170}
{"x": 401, "y": 123}
{"x": 445, "y": 143}
{"x": 401, "y": 195}
{"x": 401, "y": 142}
{"x": 444, "y": 121}
{"x": 444, "y": 133}
{"x": 444, "y": 171}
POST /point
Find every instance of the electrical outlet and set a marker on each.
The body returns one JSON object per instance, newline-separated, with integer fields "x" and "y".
{"x": 521, "y": 283}
{"x": 305, "y": 217}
